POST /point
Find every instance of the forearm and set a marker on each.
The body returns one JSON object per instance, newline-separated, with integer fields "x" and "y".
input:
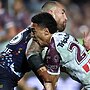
{"x": 50, "y": 81}
{"x": 40, "y": 70}
{"x": 54, "y": 79}
{"x": 45, "y": 77}
{"x": 36, "y": 62}
{"x": 48, "y": 86}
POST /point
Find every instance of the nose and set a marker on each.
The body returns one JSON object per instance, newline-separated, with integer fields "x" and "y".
{"x": 65, "y": 17}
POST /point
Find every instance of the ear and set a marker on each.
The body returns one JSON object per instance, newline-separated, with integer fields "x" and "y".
{"x": 46, "y": 31}
{"x": 50, "y": 11}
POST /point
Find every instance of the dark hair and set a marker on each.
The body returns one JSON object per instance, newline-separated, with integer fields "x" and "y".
{"x": 45, "y": 20}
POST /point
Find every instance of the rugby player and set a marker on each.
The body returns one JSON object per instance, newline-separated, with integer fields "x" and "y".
{"x": 14, "y": 62}
{"x": 57, "y": 10}
{"x": 64, "y": 52}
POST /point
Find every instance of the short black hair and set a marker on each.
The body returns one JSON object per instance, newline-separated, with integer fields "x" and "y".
{"x": 45, "y": 20}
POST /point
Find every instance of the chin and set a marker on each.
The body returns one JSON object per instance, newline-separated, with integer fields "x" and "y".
{"x": 61, "y": 29}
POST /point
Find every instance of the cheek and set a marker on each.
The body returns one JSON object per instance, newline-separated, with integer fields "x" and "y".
{"x": 36, "y": 34}
{"x": 60, "y": 21}
{"x": 42, "y": 37}
{"x": 39, "y": 35}
{"x": 58, "y": 17}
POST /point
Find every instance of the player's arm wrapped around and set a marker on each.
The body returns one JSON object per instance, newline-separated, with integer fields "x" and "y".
{"x": 36, "y": 63}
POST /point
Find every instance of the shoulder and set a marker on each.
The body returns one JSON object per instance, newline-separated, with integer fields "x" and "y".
{"x": 20, "y": 36}
{"x": 59, "y": 36}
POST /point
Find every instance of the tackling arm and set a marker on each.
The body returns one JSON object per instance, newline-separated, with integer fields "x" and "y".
{"x": 35, "y": 60}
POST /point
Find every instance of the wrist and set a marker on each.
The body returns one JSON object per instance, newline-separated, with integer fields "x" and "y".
{"x": 48, "y": 86}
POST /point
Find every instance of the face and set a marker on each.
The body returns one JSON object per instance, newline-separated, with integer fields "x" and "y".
{"x": 41, "y": 34}
{"x": 59, "y": 15}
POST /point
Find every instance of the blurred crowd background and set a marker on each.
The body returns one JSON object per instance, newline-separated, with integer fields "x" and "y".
{"x": 15, "y": 16}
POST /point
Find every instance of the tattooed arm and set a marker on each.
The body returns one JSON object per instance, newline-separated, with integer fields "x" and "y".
{"x": 35, "y": 60}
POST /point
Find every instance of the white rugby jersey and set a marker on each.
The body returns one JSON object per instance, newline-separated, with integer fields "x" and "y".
{"x": 74, "y": 57}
